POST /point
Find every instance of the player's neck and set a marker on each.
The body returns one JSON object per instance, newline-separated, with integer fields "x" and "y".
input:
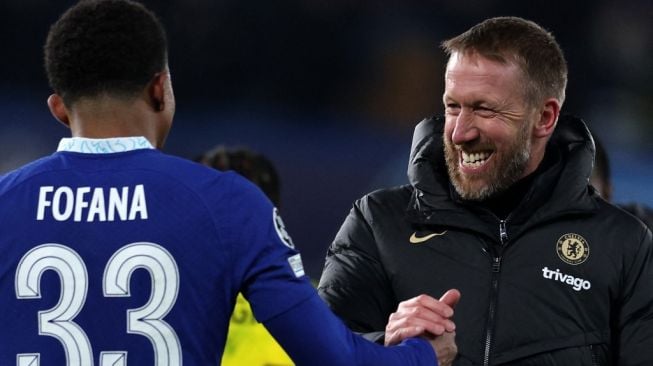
{"x": 107, "y": 118}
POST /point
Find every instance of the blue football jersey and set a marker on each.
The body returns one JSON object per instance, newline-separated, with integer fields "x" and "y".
{"x": 113, "y": 253}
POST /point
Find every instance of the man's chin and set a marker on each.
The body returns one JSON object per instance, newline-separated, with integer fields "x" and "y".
{"x": 472, "y": 191}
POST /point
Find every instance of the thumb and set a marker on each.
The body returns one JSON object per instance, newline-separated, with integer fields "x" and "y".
{"x": 451, "y": 297}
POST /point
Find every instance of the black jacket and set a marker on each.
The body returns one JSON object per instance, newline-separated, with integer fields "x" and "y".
{"x": 640, "y": 211}
{"x": 566, "y": 279}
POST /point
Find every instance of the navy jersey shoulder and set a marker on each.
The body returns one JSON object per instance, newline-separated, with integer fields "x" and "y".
{"x": 135, "y": 251}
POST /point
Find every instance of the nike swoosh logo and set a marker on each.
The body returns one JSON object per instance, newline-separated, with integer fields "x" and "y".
{"x": 414, "y": 239}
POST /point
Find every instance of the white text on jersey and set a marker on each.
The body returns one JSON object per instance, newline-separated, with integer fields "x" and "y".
{"x": 92, "y": 204}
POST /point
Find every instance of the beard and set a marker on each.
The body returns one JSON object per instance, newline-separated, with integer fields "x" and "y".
{"x": 509, "y": 166}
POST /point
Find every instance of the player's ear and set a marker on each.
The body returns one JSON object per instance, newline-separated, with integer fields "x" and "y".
{"x": 58, "y": 109}
{"x": 548, "y": 118}
{"x": 157, "y": 91}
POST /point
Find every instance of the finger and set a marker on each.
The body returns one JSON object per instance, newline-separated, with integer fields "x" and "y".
{"x": 422, "y": 316}
{"x": 451, "y": 297}
{"x": 446, "y": 325}
{"x": 399, "y": 335}
{"x": 435, "y": 327}
{"x": 434, "y": 305}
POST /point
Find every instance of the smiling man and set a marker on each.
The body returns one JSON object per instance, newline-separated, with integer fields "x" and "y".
{"x": 487, "y": 134}
{"x": 499, "y": 207}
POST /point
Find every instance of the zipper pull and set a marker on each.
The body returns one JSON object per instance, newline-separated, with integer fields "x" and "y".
{"x": 496, "y": 264}
{"x": 503, "y": 233}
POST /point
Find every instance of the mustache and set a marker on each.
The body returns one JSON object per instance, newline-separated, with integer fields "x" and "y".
{"x": 477, "y": 145}
{"x": 474, "y": 146}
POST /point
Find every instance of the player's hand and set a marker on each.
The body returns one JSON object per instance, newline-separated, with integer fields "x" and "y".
{"x": 445, "y": 347}
{"x": 422, "y": 315}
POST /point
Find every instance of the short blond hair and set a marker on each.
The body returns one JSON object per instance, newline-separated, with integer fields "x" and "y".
{"x": 531, "y": 47}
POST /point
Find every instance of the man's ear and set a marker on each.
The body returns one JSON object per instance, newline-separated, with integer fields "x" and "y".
{"x": 156, "y": 91}
{"x": 58, "y": 109}
{"x": 548, "y": 118}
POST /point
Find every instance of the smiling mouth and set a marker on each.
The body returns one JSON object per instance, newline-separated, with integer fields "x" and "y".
{"x": 476, "y": 159}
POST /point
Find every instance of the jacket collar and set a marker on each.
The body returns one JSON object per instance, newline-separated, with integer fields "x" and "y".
{"x": 561, "y": 189}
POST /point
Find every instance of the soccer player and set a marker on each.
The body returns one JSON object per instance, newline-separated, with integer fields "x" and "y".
{"x": 113, "y": 253}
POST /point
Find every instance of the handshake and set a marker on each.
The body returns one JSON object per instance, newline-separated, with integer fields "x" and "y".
{"x": 430, "y": 318}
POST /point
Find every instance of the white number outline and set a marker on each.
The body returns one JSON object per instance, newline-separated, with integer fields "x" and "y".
{"x": 148, "y": 319}
{"x": 58, "y": 321}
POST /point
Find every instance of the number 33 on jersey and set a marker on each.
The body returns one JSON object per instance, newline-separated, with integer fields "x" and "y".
{"x": 59, "y": 321}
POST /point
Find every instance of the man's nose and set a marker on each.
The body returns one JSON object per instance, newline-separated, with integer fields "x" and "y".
{"x": 465, "y": 130}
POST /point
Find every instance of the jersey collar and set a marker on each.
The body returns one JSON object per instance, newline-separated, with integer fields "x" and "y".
{"x": 103, "y": 146}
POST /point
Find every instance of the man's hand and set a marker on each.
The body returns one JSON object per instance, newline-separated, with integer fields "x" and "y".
{"x": 445, "y": 347}
{"x": 420, "y": 315}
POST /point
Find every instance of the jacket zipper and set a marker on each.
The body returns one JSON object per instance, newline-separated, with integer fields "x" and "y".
{"x": 595, "y": 361}
{"x": 496, "y": 268}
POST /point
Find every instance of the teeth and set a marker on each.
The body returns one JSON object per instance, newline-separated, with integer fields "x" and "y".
{"x": 475, "y": 159}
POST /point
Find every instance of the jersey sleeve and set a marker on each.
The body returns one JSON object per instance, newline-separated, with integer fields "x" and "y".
{"x": 333, "y": 344}
{"x": 267, "y": 265}
{"x": 353, "y": 282}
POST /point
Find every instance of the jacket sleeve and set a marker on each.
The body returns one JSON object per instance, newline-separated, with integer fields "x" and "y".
{"x": 635, "y": 319}
{"x": 354, "y": 283}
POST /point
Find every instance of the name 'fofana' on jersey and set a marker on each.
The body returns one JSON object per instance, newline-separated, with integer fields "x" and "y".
{"x": 92, "y": 203}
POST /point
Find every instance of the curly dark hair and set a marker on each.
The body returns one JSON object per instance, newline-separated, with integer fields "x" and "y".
{"x": 111, "y": 47}
{"x": 248, "y": 163}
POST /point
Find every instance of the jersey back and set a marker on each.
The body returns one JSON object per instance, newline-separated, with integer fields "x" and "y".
{"x": 135, "y": 258}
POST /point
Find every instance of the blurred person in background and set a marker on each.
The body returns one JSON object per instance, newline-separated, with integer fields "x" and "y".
{"x": 112, "y": 251}
{"x": 248, "y": 342}
{"x": 499, "y": 207}
{"x": 601, "y": 179}
{"x": 252, "y": 165}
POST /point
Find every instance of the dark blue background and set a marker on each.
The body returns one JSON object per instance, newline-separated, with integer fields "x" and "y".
{"x": 330, "y": 90}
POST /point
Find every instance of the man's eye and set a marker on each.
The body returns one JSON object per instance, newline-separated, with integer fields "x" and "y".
{"x": 484, "y": 111}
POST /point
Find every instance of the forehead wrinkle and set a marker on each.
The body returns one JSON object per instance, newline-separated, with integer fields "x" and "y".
{"x": 474, "y": 80}
{"x": 474, "y": 99}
